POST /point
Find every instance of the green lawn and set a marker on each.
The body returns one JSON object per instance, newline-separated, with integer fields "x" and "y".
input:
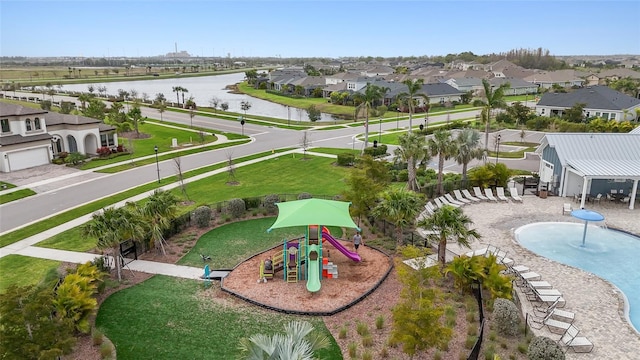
{"x": 335, "y": 151}
{"x": 23, "y": 270}
{"x": 230, "y": 244}
{"x": 12, "y": 196}
{"x": 286, "y": 174}
{"x": 178, "y": 319}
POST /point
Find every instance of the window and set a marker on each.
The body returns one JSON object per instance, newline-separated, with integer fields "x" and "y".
{"x": 5, "y": 125}
{"x": 613, "y": 116}
{"x": 542, "y": 111}
{"x": 107, "y": 140}
{"x": 28, "y": 122}
{"x": 605, "y": 116}
{"x": 36, "y": 123}
{"x": 598, "y": 113}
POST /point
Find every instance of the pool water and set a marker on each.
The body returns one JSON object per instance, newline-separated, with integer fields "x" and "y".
{"x": 612, "y": 255}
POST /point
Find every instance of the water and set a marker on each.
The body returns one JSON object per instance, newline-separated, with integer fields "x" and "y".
{"x": 202, "y": 89}
{"x": 610, "y": 254}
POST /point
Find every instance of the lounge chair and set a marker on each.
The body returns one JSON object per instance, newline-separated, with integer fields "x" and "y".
{"x": 539, "y": 284}
{"x": 562, "y": 315}
{"x": 546, "y": 299}
{"x": 477, "y": 252}
{"x": 579, "y": 344}
{"x": 597, "y": 199}
{"x": 500, "y": 194}
{"x": 446, "y": 202}
{"x": 514, "y": 194}
{"x": 468, "y": 195}
{"x": 566, "y": 208}
{"x": 478, "y": 193}
{"x": 438, "y": 202}
{"x": 432, "y": 208}
{"x": 489, "y": 194}
{"x": 461, "y": 198}
{"x": 454, "y": 201}
{"x": 554, "y": 326}
{"x": 501, "y": 255}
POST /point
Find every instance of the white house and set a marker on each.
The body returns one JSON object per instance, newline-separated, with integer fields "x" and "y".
{"x": 600, "y": 101}
{"x": 32, "y": 137}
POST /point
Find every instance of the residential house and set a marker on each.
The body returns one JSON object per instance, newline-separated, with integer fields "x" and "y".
{"x": 600, "y": 101}
{"x": 308, "y": 84}
{"x": 605, "y": 76}
{"x": 378, "y": 70}
{"x": 32, "y": 137}
{"x": 467, "y": 84}
{"x": 24, "y": 140}
{"x": 516, "y": 86}
{"x": 588, "y": 164}
{"x": 563, "y": 78}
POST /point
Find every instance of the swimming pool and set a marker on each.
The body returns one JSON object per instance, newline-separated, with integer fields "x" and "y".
{"x": 612, "y": 255}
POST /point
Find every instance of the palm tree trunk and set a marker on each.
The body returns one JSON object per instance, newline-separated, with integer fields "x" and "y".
{"x": 366, "y": 130}
{"x": 487, "y": 127}
{"x": 399, "y": 241}
{"x": 116, "y": 259}
{"x": 442, "y": 251}
{"x": 411, "y": 169}
{"x": 440, "y": 169}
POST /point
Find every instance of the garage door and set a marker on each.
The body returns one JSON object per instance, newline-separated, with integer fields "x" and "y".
{"x": 28, "y": 158}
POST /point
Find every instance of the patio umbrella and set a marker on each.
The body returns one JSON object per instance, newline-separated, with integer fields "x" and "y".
{"x": 586, "y": 215}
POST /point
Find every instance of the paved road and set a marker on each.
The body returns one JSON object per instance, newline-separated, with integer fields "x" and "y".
{"x": 25, "y": 211}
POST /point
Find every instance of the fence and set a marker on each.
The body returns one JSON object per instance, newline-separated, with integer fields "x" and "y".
{"x": 475, "y": 351}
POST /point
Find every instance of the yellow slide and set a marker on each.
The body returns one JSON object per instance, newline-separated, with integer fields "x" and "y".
{"x": 313, "y": 276}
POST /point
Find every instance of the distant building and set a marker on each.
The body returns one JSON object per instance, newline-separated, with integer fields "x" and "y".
{"x": 180, "y": 54}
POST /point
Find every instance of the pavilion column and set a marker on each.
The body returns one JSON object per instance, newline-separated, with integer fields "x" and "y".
{"x": 634, "y": 191}
{"x": 585, "y": 185}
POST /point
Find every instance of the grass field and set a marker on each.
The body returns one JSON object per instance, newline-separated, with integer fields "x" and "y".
{"x": 178, "y": 319}
{"x": 23, "y": 270}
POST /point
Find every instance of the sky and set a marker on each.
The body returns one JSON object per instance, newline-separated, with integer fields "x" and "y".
{"x": 321, "y": 28}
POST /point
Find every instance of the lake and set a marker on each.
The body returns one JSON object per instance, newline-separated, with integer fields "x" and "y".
{"x": 203, "y": 89}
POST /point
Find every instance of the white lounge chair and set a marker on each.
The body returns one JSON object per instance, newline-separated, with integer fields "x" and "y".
{"x": 554, "y": 326}
{"x": 431, "y": 207}
{"x": 478, "y": 193}
{"x": 500, "y": 194}
{"x": 438, "y": 202}
{"x": 461, "y": 198}
{"x": 468, "y": 195}
{"x": 489, "y": 194}
{"x": 502, "y": 258}
{"x": 446, "y": 202}
{"x": 562, "y": 315}
{"x": 579, "y": 344}
{"x": 514, "y": 194}
{"x": 566, "y": 208}
{"x": 453, "y": 201}
{"x": 539, "y": 284}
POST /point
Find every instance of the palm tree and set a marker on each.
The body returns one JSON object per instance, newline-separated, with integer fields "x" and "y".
{"x": 401, "y": 207}
{"x": 494, "y": 99}
{"x": 299, "y": 342}
{"x": 442, "y": 145}
{"x": 110, "y": 228}
{"x": 449, "y": 223}
{"x": 468, "y": 148}
{"x": 177, "y": 89}
{"x": 413, "y": 87}
{"x": 83, "y": 98}
{"x": 412, "y": 150}
{"x": 183, "y": 90}
{"x": 367, "y": 100}
{"x": 158, "y": 212}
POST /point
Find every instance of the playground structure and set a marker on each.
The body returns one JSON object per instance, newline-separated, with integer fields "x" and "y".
{"x": 303, "y": 258}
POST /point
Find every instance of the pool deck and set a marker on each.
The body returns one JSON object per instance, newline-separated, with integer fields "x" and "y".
{"x": 598, "y": 305}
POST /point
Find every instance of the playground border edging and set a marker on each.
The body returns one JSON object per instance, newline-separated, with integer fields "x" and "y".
{"x": 314, "y": 313}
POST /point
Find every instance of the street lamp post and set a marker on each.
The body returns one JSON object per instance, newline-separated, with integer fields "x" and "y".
{"x": 379, "y": 129}
{"x": 155, "y": 148}
{"x": 288, "y": 115}
{"x": 497, "y": 148}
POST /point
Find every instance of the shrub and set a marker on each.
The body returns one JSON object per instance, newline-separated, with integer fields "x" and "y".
{"x": 104, "y": 151}
{"x": 379, "y": 322}
{"x": 353, "y": 350}
{"x": 384, "y": 353}
{"x": 106, "y": 350}
{"x": 304, "y": 195}
{"x": 362, "y": 329}
{"x": 202, "y": 216}
{"x": 367, "y": 341}
{"x": 343, "y": 333}
{"x": 75, "y": 158}
{"x": 270, "y": 203}
{"x": 403, "y": 175}
{"x": 543, "y": 348}
{"x": 346, "y": 159}
{"x": 367, "y": 355}
{"x": 96, "y": 337}
{"x": 506, "y": 317}
{"x": 252, "y": 203}
{"x": 236, "y": 208}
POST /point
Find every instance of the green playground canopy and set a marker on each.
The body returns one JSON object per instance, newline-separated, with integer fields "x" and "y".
{"x": 313, "y": 212}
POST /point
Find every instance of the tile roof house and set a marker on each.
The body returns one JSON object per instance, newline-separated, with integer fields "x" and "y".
{"x": 564, "y": 78}
{"x": 516, "y": 86}
{"x": 32, "y": 137}
{"x": 600, "y": 101}
{"x": 591, "y": 164}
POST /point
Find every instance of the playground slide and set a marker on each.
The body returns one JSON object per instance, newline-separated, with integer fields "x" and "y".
{"x": 313, "y": 282}
{"x": 351, "y": 255}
